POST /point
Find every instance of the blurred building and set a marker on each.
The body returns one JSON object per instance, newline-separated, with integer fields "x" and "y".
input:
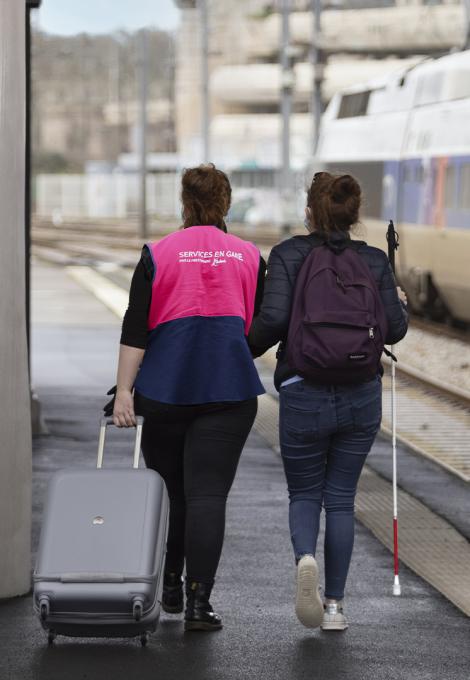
{"x": 85, "y": 98}
{"x": 362, "y": 39}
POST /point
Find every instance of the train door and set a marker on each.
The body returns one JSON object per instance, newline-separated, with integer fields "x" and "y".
{"x": 426, "y": 206}
{"x": 440, "y": 174}
{"x": 457, "y": 202}
{"x": 411, "y": 194}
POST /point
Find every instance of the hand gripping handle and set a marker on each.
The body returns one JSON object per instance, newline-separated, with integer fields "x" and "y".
{"x": 138, "y": 439}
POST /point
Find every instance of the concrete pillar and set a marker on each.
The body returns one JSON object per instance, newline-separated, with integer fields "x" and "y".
{"x": 15, "y": 415}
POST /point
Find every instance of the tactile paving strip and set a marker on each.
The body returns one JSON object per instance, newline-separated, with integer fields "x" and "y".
{"x": 428, "y": 544}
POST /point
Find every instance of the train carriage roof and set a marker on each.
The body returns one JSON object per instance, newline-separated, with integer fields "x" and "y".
{"x": 428, "y": 82}
{"x": 418, "y": 112}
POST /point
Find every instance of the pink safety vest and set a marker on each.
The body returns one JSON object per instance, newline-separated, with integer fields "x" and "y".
{"x": 202, "y": 271}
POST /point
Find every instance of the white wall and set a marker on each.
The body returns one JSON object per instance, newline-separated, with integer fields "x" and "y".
{"x": 15, "y": 417}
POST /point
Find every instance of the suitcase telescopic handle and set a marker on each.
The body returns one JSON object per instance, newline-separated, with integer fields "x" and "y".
{"x": 138, "y": 439}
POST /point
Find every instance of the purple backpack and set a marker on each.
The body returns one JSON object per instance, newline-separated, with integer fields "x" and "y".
{"x": 338, "y": 324}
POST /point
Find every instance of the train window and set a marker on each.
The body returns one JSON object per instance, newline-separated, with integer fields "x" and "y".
{"x": 464, "y": 189}
{"x": 413, "y": 173}
{"x": 450, "y": 182}
{"x": 408, "y": 173}
{"x": 353, "y": 105}
{"x": 430, "y": 88}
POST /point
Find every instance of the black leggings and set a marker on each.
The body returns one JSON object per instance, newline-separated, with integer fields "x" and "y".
{"x": 196, "y": 450}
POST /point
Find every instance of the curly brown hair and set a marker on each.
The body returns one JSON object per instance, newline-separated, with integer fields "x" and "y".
{"x": 206, "y": 195}
{"x": 334, "y": 202}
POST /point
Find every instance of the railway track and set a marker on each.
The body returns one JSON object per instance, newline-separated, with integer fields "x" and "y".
{"x": 120, "y": 236}
{"x": 434, "y": 422}
{"x": 442, "y": 328}
{"x": 70, "y": 245}
{"x": 433, "y": 403}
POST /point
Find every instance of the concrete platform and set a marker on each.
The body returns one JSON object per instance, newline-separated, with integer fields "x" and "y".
{"x": 420, "y": 635}
{"x": 429, "y": 543}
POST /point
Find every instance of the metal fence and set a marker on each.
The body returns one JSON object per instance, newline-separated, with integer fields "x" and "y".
{"x": 105, "y": 196}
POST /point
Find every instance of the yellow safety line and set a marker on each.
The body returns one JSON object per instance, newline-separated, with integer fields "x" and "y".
{"x": 112, "y": 296}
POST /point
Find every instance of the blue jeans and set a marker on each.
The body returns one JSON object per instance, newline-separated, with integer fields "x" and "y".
{"x": 326, "y": 433}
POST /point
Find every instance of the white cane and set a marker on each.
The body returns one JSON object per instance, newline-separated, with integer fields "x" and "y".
{"x": 392, "y": 240}
{"x": 396, "y": 579}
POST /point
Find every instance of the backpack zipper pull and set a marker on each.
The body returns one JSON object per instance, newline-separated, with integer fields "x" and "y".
{"x": 340, "y": 283}
{"x": 371, "y": 332}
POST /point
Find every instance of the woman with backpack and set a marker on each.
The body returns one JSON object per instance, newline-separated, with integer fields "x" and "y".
{"x": 185, "y": 365}
{"x": 332, "y": 303}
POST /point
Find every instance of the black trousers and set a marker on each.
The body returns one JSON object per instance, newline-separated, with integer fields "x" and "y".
{"x": 196, "y": 450}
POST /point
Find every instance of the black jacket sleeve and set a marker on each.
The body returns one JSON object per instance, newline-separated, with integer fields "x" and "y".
{"x": 260, "y": 285}
{"x": 272, "y": 323}
{"x": 134, "y": 326}
{"x": 395, "y": 310}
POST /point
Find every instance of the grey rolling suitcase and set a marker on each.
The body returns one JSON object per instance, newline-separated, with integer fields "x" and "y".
{"x": 99, "y": 571}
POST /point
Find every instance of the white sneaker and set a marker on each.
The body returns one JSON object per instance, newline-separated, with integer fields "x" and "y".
{"x": 333, "y": 618}
{"x": 308, "y": 604}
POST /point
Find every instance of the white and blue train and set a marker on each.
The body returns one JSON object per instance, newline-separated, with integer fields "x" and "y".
{"x": 406, "y": 138}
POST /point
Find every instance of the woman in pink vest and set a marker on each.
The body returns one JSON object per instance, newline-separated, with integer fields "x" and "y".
{"x": 184, "y": 353}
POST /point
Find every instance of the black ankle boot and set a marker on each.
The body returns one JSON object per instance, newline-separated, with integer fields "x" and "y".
{"x": 199, "y": 614}
{"x": 172, "y": 597}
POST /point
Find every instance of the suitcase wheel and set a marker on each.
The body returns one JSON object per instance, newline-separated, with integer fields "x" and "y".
{"x": 138, "y": 608}
{"x": 144, "y": 638}
{"x": 44, "y": 608}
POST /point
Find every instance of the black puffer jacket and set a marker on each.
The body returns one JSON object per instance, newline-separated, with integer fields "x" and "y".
{"x": 272, "y": 323}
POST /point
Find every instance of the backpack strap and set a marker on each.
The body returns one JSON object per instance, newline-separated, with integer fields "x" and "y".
{"x": 390, "y": 355}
